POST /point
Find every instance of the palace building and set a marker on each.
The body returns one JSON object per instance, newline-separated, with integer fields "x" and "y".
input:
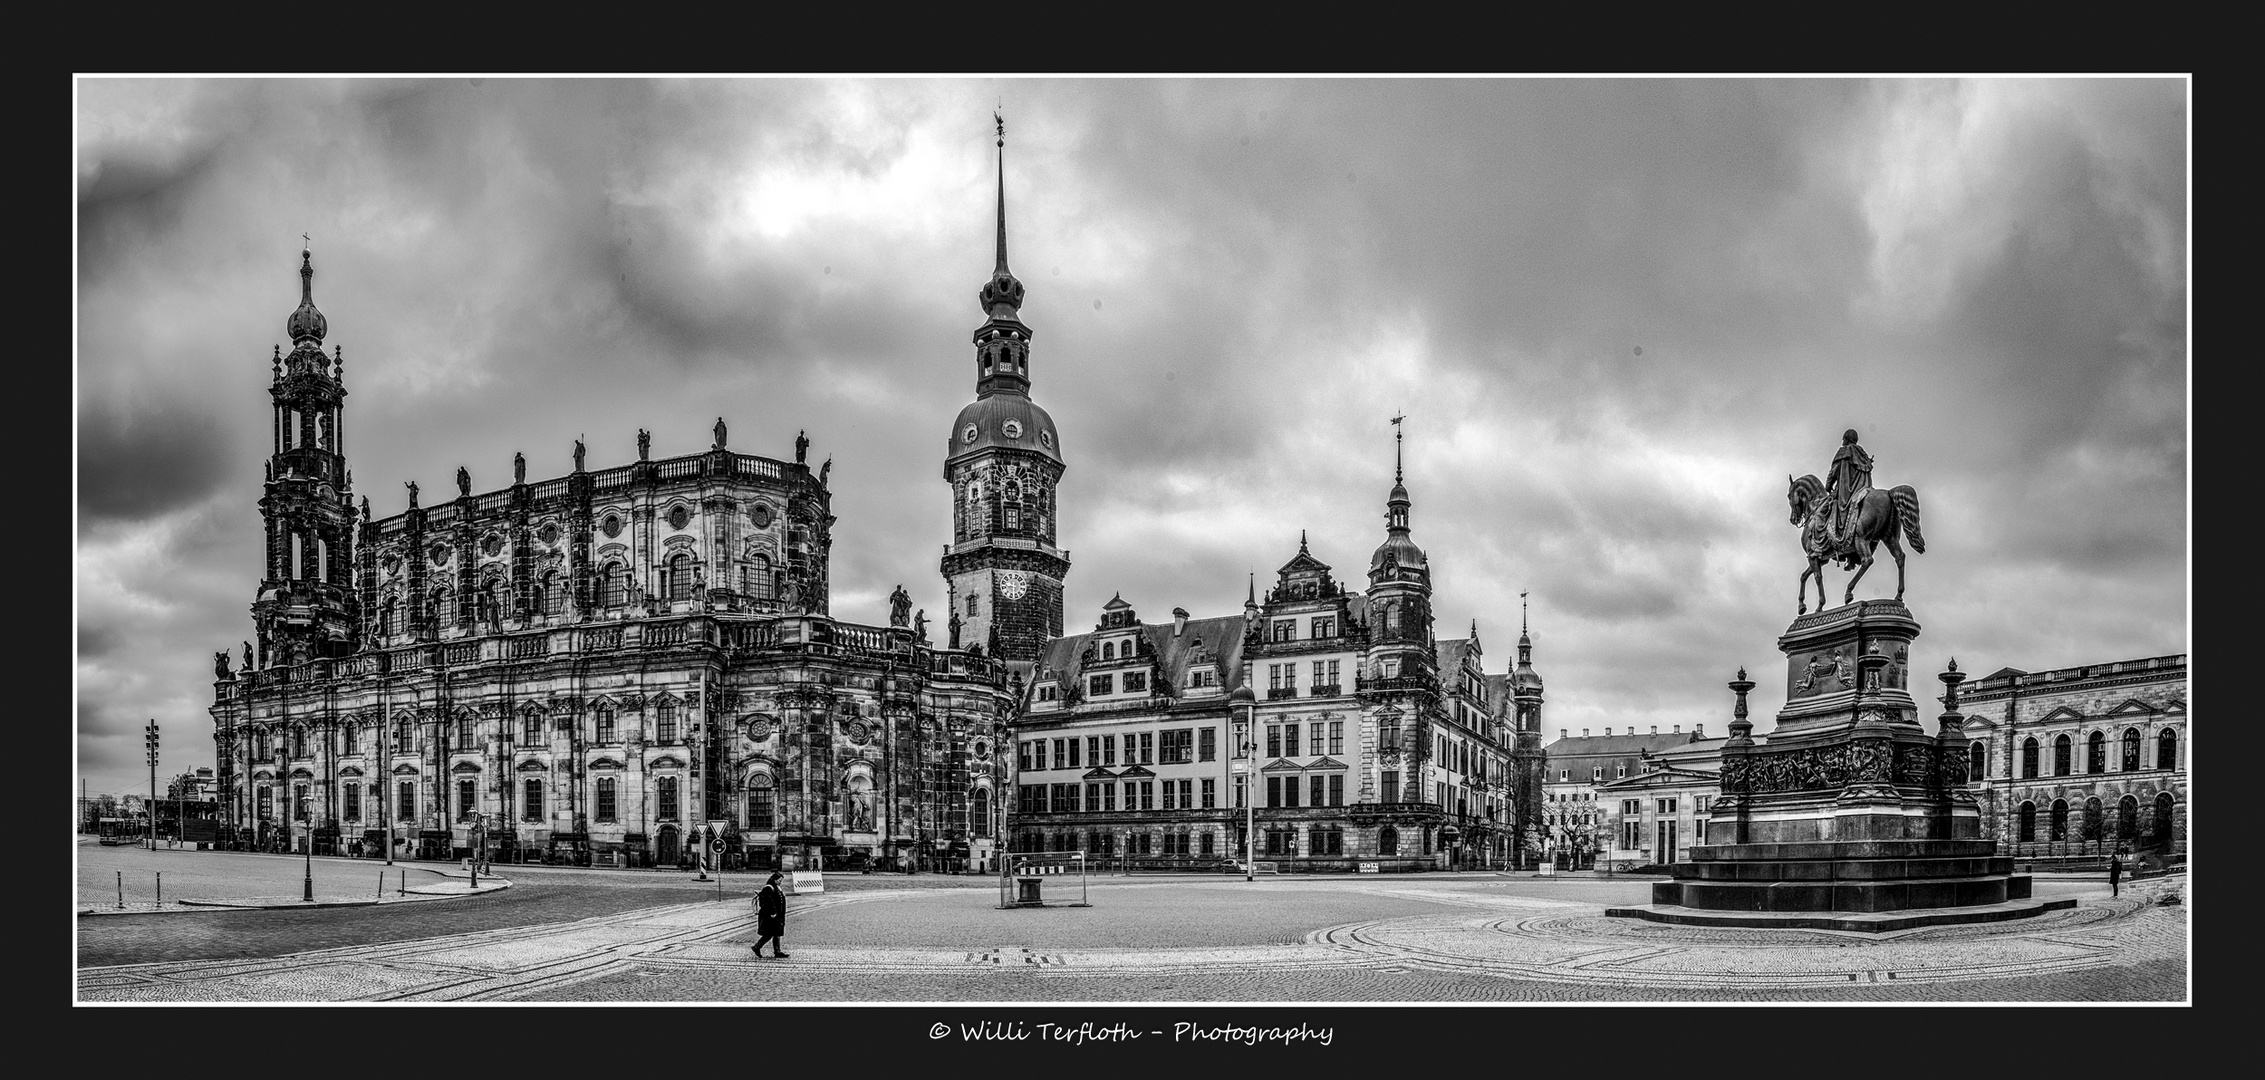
{"x": 634, "y": 665}
{"x": 2081, "y": 761}
{"x": 1364, "y": 741}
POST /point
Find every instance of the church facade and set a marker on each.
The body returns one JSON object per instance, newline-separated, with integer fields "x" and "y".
{"x": 633, "y": 665}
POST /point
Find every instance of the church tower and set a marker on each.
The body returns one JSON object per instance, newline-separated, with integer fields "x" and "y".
{"x": 1003, "y": 460}
{"x": 306, "y": 606}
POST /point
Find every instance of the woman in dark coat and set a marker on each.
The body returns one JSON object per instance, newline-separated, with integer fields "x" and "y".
{"x": 770, "y": 918}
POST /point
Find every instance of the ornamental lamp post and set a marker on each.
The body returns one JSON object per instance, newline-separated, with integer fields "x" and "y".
{"x": 149, "y": 740}
{"x": 1246, "y": 756}
{"x": 308, "y": 894}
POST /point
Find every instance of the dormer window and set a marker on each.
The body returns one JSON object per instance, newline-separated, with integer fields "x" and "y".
{"x": 1285, "y": 630}
{"x": 1108, "y": 650}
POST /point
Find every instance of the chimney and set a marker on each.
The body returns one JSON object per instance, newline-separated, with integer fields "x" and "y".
{"x": 1608, "y": 731}
{"x": 1699, "y": 731}
{"x": 1678, "y": 729}
{"x": 1179, "y": 620}
{"x": 1655, "y": 729}
{"x": 1585, "y": 732}
{"x": 1560, "y": 733}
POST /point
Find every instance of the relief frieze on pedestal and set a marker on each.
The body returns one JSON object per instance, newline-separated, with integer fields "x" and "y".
{"x": 1828, "y": 768}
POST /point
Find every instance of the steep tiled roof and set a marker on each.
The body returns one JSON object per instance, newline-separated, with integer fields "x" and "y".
{"x": 1222, "y": 638}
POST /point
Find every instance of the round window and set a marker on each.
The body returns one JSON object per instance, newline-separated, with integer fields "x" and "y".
{"x": 1013, "y": 428}
{"x": 678, "y": 516}
{"x": 761, "y": 515}
{"x": 968, "y": 433}
{"x": 439, "y": 553}
{"x": 611, "y": 525}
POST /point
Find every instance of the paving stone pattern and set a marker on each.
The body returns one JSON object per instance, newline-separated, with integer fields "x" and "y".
{"x": 599, "y": 937}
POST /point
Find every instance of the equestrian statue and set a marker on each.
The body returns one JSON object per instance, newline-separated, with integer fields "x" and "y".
{"x": 1845, "y": 518}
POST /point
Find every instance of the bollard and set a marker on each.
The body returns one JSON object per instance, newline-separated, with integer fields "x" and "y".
{"x": 161, "y": 888}
{"x": 121, "y": 890}
{"x": 404, "y": 884}
{"x": 381, "y": 886}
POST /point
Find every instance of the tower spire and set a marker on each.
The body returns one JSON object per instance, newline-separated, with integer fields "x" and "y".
{"x": 1001, "y": 121}
{"x": 1396, "y": 418}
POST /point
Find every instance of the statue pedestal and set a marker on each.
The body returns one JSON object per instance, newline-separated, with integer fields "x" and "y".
{"x": 1849, "y": 808}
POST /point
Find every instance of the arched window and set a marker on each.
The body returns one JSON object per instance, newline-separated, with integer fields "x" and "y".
{"x": 2096, "y": 753}
{"x": 2166, "y": 750}
{"x": 979, "y": 813}
{"x": 2061, "y": 753}
{"x": 2131, "y": 749}
{"x": 389, "y": 618}
{"x": 2092, "y": 818}
{"x": 2028, "y": 833}
{"x": 467, "y": 732}
{"x": 762, "y": 812}
{"x": 1013, "y": 507}
{"x": 1388, "y": 841}
{"x": 1977, "y": 760}
{"x": 299, "y": 741}
{"x": 531, "y": 799}
{"x": 679, "y": 576}
{"x": 401, "y": 736}
{"x": 2060, "y": 818}
{"x": 2028, "y": 759}
{"x": 444, "y": 606}
{"x": 550, "y": 594}
{"x": 2127, "y": 818}
{"x": 664, "y": 720}
{"x": 1108, "y": 650}
{"x": 755, "y": 579}
{"x": 531, "y": 727}
{"x": 2163, "y": 819}
{"x": 613, "y": 590}
{"x": 491, "y": 601}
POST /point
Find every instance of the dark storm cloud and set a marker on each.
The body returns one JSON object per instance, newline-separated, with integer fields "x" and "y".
{"x": 1617, "y": 312}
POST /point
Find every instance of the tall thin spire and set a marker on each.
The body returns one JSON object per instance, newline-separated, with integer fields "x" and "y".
{"x": 1001, "y": 121}
{"x": 1396, "y": 418}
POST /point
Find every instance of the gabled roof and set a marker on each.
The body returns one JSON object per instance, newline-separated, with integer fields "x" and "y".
{"x": 1450, "y": 654}
{"x": 1222, "y": 643}
{"x": 1577, "y": 746}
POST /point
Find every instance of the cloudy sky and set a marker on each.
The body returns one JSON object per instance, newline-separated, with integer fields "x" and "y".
{"x": 1617, "y": 314}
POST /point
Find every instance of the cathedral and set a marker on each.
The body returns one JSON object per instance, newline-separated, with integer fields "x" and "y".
{"x": 633, "y": 665}
{"x": 636, "y": 666}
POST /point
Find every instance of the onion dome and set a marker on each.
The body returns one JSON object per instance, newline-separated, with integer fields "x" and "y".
{"x": 1523, "y": 679}
{"x": 1397, "y": 551}
{"x": 307, "y": 326}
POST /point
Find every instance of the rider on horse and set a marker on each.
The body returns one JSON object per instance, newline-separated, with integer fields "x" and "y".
{"x": 1847, "y": 482}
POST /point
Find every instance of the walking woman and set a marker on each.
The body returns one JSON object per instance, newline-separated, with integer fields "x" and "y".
{"x": 770, "y": 918}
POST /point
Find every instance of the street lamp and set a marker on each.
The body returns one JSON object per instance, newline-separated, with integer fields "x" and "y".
{"x": 309, "y": 893}
{"x": 149, "y": 742}
{"x": 1245, "y": 734}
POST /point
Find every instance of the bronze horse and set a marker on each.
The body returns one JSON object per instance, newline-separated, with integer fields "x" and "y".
{"x": 1880, "y": 515}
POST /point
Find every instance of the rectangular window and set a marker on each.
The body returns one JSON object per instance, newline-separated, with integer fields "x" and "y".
{"x": 1065, "y": 798}
{"x": 1038, "y": 755}
{"x": 1092, "y": 797}
{"x": 1187, "y": 794}
{"x": 1132, "y": 795}
{"x": 353, "y": 738}
{"x": 1667, "y": 806}
{"x": 1336, "y": 736}
{"x": 1169, "y": 803}
{"x": 353, "y": 800}
{"x": 1699, "y": 803}
{"x": 1097, "y": 685}
{"x": 1207, "y": 745}
{"x": 1273, "y": 677}
{"x": 1148, "y": 794}
{"x": 1631, "y": 835}
{"x": 1391, "y": 786}
{"x": 531, "y": 800}
{"x": 1290, "y": 740}
{"x": 971, "y": 605}
{"x": 665, "y": 721}
{"x": 467, "y": 797}
{"x": 1290, "y": 792}
{"x": 665, "y": 796}
{"x": 1319, "y": 791}
{"x": 1093, "y": 749}
{"x": 1337, "y": 789}
{"x": 1074, "y": 756}
{"x": 1273, "y": 792}
{"x": 405, "y": 807}
{"x": 1022, "y": 756}
{"x": 1061, "y": 758}
{"x": 1333, "y": 674}
{"x": 1147, "y": 748}
{"x": 1242, "y": 785}
{"x": 1109, "y": 797}
{"x": 1285, "y": 630}
{"x": 1208, "y": 839}
{"x": 1313, "y": 737}
{"x": 1273, "y": 740}
{"x": 1136, "y": 682}
{"x": 1210, "y": 793}
{"x": 605, "y": 725}
{"x": 1320, "y": 669}
{"x": 1108, "y": 750}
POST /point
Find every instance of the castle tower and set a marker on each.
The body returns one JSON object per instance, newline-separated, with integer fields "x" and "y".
{"x": 306, "y": 607}
{"x": 1003, "y": 460}
{"x": 1399, "y": 588}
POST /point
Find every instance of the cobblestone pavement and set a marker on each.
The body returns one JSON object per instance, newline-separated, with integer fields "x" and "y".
{"x": 1446, "y": 937}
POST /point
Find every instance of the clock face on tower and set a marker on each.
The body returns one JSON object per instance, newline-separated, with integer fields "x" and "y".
{"x": 1014, "y": 586}
{"x": 1013, "y": 428}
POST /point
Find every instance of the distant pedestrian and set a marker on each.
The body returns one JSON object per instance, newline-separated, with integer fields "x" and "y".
{"x": 770, "y": 918}
{"x": 2115, "y": 876}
